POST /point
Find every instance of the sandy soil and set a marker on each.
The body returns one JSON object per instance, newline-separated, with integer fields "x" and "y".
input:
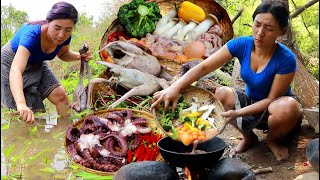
{"x": 260, "y": 156}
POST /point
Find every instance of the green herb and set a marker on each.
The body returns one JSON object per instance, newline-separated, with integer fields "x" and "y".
{"x": 139, "y": 17}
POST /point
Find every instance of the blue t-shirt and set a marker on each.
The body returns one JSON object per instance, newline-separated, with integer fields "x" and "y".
{"x": 29, "y": 36}
{"x": 258, "y": 85}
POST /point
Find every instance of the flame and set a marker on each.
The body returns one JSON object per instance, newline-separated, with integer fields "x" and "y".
{"x": 187, "y": 174}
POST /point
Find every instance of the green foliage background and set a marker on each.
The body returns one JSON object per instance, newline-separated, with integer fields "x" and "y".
{"x": 305, "y": 28}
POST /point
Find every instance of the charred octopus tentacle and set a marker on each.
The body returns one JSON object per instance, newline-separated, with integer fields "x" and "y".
{"x": 73, "y": 134}
{"x": 111, "y": 144}
{"x": 142, "y": 125}
{"x": 117, "y": 162}
{"x": 108, "y": 167}
{"x": 102, "y": 142}
{"x": 115, "y": 117}
{"x": 93, "y": 124}
{"x": 76, "y": 157}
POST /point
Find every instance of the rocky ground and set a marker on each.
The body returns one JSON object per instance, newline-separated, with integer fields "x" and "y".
{"x": 260, "y": 156}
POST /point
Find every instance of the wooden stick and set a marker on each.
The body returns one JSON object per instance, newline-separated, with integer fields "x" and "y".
{"x": 262, "y": 170}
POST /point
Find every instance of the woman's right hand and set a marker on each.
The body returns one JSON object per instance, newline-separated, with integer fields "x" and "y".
{"x": 168, "y": 95}
{"x": 26, "y": 114}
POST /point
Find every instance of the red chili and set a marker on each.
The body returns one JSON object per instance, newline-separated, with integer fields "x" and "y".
{"x": 154, "y": 153}
{"x": 148, "y": 154}
{"x": 116, "y": 36}
{"x": 142, "y": 154}
{"x": 130, "y": 157}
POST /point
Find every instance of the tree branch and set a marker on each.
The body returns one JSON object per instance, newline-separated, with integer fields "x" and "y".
{"x": 302, "y": 8}
{"x": 296, "y": 7}
{"x": 240, "y": 11}
{"x": 246, "y": 24}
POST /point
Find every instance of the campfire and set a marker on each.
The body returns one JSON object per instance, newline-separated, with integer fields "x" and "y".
{"x": 192, "y": 161}
{"x": 194, "y": 174}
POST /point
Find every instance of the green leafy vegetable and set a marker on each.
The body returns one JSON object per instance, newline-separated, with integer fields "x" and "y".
{"x": 139, "y": 18}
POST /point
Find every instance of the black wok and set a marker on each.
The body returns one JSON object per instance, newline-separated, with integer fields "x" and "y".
{"x": 177, "y": 154}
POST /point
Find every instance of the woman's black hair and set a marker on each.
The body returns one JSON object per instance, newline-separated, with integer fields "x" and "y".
{"x": 278, "y": 9}
{"x": 63, "y": 10}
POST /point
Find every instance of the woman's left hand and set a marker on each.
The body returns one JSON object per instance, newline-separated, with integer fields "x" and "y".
{"x": 229, "y": 115}
{"x": 86, "y": 56}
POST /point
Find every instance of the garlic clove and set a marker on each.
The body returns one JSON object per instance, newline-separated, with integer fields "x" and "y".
{"x": 206, "y": 114}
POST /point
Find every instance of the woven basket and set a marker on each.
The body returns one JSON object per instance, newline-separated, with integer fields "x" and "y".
{"x": 152, "y": 123}
{"x": 209, "y": 6}
{"x": 204, "y": 97}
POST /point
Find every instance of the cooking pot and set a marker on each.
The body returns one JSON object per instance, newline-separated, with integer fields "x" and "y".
{"x": 177, "y": 154}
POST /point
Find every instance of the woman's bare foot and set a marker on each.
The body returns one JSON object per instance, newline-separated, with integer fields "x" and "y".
{"x": 247, "y": 142}
{"x": 279, "y": 151}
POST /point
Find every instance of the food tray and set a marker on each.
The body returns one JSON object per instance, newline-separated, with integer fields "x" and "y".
{"x": 151, "y": 123}
{"x": 209, "y": 6}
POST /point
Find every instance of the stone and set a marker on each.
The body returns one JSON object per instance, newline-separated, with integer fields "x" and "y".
{"x": 312, "y": 115}
{"x": 312, "y": 152}
{"x": 154, "y": 170}
{"x": 231, "y": 169}
{"x": 308, "y": 176}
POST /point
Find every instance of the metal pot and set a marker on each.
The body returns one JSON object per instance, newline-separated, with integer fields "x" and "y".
{"x": 177, "y": 154}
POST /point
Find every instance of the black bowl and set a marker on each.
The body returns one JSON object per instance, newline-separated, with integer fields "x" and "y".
{"x": 177, "y": 154}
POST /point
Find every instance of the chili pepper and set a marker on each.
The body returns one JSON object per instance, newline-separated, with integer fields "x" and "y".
{"x": 149, "y": 140}
{"x": 142, "y": 154}
{"x": 153, "y": 138}
{"x": 129, "y": 156}
{"x": 139, "y": 152}
{"x": 116, "y": 36}
{"x": 142, "y": 137}
{"x": 148, "y": 154}
{"x": 154, "y": 153}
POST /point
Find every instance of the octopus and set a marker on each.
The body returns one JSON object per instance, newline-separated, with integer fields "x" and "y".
{"x": 102, "y": 142}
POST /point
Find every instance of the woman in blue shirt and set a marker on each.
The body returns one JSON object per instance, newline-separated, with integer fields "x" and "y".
{"x": 267, "y": 68}
{"x": 26, "y": 79}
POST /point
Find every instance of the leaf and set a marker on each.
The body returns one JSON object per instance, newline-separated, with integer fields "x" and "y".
{"x": 32, "y": 158}
{"x": 48, "y": 169}
{"x": 34, "y": 130}
{"x": 145, "y": 101}
{"x": 57, "y": 136}
{"x": 46, "y": 160}
{"x": 89, "y": 176}
{"x": 8, "y": 151}
{"x": 70, "y": 176}
{"x": 74, "y": 166}
{"x": 4, "y": 127}
{"x": 4, "y": 177}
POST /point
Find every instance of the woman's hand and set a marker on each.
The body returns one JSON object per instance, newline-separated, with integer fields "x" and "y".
{"x": 230, "y": 115}
{"x": 86, "y": 56}
{"x": 168, "y": 95}
{"x": 26, "y": 114}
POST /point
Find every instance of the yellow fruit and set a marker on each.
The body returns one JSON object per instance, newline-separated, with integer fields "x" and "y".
{"x": 188, "y": 11}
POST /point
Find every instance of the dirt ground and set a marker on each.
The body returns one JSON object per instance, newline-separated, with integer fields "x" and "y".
{"x": 260, "y": 156}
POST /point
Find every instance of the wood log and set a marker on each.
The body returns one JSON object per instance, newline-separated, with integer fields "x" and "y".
{"x": 262, "y": 170}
